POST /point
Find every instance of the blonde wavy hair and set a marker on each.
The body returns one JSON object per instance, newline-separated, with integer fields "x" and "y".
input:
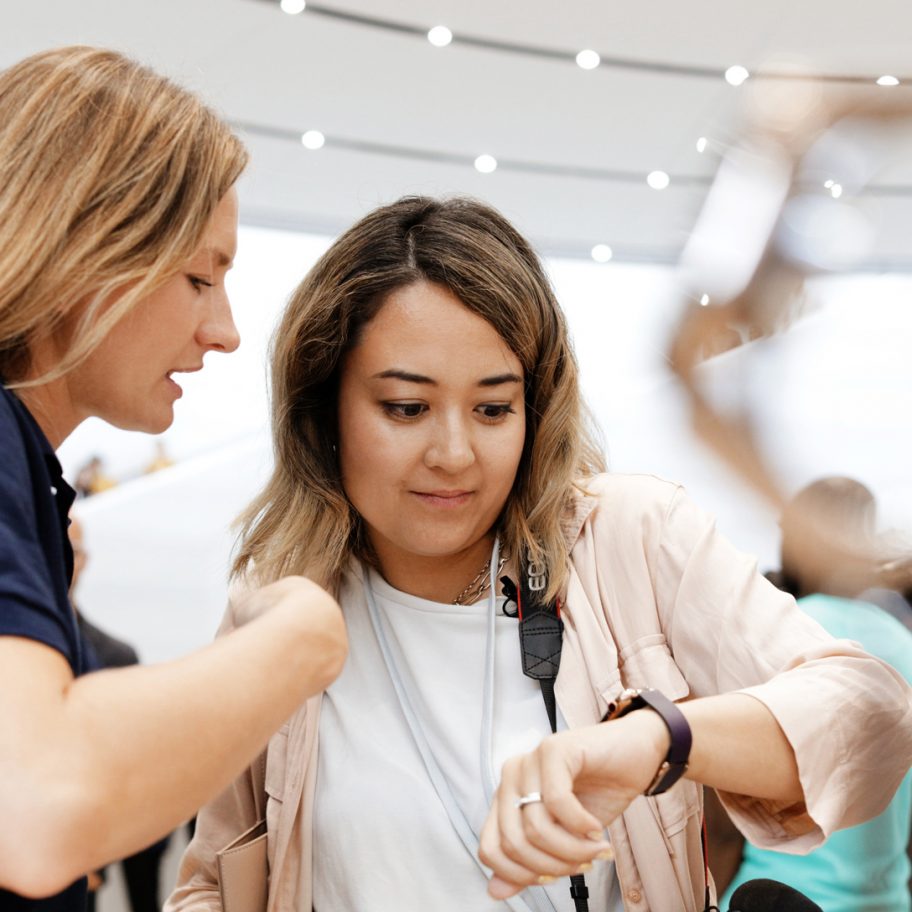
{"x": 302, "y": 522}
{"x": 109, "y": 174}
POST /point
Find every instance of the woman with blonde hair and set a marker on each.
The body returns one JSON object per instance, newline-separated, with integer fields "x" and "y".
{"x": 118, "y": 223}
{"x": 435, "y": 470}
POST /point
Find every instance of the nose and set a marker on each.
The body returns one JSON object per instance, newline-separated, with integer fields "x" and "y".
{"x": 217, "y": 332}
{"x": 450, "y": 447}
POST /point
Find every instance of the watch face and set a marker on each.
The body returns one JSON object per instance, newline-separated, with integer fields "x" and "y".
{"x": 621, "y": 703}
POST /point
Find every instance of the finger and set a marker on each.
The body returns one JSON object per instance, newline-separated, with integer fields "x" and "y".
{"x": 503, "y": 846}
{"x": 502, "y": 889}
{"x": 527, "y": 861}
{"x": 546, "y": 835}
{"x": 529, "y": 837}
{"x": 491, "y": 852}
{"x": 557, "y": 769}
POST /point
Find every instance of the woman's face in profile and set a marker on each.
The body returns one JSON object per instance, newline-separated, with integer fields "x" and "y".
{"x": 431, "y": 426}
{"x": 127, "y": 380}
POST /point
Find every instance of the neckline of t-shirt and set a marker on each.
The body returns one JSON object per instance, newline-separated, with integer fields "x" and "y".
{"x": 383, "y": 590}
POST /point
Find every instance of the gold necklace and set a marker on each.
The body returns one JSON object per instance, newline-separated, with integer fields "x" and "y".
{"x": 479, "y": 585}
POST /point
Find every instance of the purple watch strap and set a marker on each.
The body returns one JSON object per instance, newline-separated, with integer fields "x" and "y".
{"x": 675, "y": 763}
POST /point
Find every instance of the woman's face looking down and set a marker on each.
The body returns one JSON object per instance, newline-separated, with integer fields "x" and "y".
{"x": 431, "y": 429}
{"x": 127, "y": 379}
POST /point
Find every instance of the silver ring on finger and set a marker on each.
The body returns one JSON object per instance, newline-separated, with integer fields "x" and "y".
{"x": 529, "y": 798}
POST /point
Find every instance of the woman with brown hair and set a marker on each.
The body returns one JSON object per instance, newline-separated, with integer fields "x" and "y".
{"x": 435, "y": 470}
{"x": 118, "y": 223}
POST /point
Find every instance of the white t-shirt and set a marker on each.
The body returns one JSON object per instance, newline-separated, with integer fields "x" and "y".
{"x": 383, "y": 841}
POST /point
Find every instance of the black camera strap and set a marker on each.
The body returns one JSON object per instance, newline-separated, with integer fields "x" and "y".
{"x": 540, "y": 640}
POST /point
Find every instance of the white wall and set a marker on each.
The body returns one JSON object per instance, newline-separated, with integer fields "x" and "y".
{"x": 833, "y": 396}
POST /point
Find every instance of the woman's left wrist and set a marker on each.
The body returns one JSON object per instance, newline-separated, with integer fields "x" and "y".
{"x": 669, "y": 728}
{"x": 647, "y": 728}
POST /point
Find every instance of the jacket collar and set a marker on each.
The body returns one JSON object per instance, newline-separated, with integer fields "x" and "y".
{"x": 580, "y": 506}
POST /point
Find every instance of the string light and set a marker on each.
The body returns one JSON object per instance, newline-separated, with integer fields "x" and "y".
{"x": 313, "y": 139}
{"x": 588, "y": 60}
{"x": 293, "y": 7}
{"x": 658, "y": 180}
{"x": 704, "y": 300}
{"x": 666, "y": 255}
{"x": 701, "y": 144}
{"x": 548, "y": 53}
{"x": 486, "y": 164}
{"x": 888, "y": 81}
{"x": 601, "y": 253}
{"x": 736, "y": 75}
{"x": 440, "y": 36}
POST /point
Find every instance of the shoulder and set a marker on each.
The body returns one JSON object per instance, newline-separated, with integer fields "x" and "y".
{"x": 20, "y": 459}
{"x": 12, "y": 430}
{"x": 7, "y": 405}
{"x": 629, "y": 503}
{"x": 24, "y": 454}
{"x": 15, "y": 420}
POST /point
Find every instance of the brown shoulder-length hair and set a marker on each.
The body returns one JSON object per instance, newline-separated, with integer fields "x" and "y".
{"x": 302, "y": 522}
{"x": 109, "y": 175}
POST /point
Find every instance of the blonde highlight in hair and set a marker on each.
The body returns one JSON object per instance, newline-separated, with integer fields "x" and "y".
{"x": 109, "y": 175}
{"x": 302, "y": 522}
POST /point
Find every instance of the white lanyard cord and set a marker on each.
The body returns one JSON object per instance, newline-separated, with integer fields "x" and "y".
{"x": 533, "y": 899}
{"x": 486, "y": 764}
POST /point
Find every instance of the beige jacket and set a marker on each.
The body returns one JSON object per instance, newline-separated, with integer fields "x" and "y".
{"x": 656, "y": 598}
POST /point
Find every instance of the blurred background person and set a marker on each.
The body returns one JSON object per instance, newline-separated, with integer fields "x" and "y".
{"x": 92, "y": 478}
{"x": 160, "y": 460}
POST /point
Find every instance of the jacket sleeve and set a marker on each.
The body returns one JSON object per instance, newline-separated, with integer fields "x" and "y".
{"x": 218, "y": 823}
{"x": 846, "y": 714}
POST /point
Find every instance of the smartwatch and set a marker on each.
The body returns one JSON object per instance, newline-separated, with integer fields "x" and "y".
{"x": 675, "y": 763}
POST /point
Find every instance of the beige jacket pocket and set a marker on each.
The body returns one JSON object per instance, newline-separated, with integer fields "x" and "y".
{"x": 647, "y": 662}
{"x": 242, "y": 872}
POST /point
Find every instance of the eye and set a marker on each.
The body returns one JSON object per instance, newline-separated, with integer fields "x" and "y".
{"x": 406, "y": 411}
{"x": 492, "y": 411}
{"x": 199, "y": 283}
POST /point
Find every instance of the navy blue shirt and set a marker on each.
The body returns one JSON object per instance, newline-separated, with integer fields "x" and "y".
{"x": 36, "y": 564}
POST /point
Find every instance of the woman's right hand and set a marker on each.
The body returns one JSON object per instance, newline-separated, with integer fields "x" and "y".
{"x": 583, "y": 779}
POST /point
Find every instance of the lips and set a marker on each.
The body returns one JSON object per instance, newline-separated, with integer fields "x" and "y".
{"x": 443, "y": 499}
{"x": 175, "y": 386}
{"x": 181, "y": 370}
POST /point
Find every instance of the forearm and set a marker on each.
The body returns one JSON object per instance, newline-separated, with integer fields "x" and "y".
{"x": 124, "y": 756}
{"x": 186, "y": 729}
{"x": 737, "y": 747}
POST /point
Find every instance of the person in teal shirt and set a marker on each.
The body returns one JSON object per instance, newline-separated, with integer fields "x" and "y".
{"x": 865, "y": 868}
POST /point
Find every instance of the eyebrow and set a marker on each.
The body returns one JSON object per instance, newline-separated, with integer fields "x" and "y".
{"x": 222, "y": 258}
{"x": 409, "y": 377}
{"x": 215, "y": 257}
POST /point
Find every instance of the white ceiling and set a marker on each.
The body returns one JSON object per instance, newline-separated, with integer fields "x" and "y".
{"x": 283, "y": 74}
